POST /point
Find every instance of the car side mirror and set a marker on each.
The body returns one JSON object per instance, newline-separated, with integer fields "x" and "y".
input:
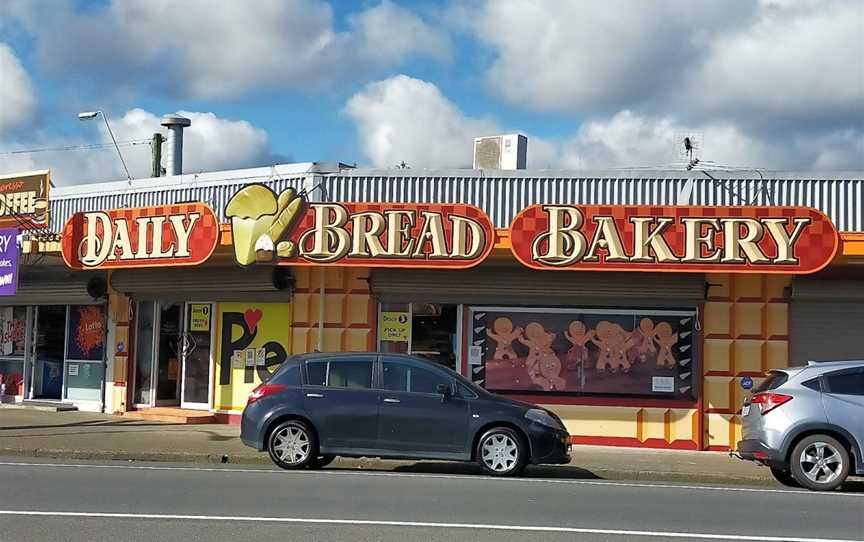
{"x": 445, "y": 390}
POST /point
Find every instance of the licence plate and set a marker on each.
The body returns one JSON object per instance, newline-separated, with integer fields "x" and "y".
{"x": 745, "y": 410}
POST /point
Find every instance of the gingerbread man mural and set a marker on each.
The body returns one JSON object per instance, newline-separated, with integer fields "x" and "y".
{"x": 665, "y": 340}
{"x": 613, "y": 343}
{"x": 646, "y": 335}
{"x": 503, "y": 333}
{"x": 578, "y": 335}
{"x": 544, "y": 367}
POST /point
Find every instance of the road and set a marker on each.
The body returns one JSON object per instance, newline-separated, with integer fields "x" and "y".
{"x": 81, "y": 501}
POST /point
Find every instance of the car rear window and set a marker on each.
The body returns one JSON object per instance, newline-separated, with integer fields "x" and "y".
{"x": 288, "y": 374}
{"x": 774, "y": 380}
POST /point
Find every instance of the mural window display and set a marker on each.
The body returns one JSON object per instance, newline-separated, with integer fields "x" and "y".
{"x": 13, "y": 326}
{"x": 85, "y": 352}
{"x": 586, "y": 351}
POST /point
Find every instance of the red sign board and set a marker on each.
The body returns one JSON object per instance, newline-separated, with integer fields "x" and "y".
{"x": 170, "y": 235}
{"x": 287, "y": 230}
{"x": 790, "y": 240}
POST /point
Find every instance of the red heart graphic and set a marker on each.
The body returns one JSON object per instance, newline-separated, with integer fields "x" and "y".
{"x": 252, "y": 317}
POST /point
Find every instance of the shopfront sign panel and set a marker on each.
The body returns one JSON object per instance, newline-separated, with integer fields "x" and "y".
{"x": 24, "y": 200}
{"x": 170, "y": 235}
{"x": 395, "y": 326}
{"x": 8, "y": 262}
{"x": 788, "y": 240}
{"x": 288, "y": 230}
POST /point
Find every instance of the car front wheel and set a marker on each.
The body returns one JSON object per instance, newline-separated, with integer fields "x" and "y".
{"x": 292, "y": 445}
{"x": 820, "y": 463}
{"x": 502, "y": 452}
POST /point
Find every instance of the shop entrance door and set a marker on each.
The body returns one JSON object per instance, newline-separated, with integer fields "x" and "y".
{"x": 166, "y": 368}
{"x": 49, "y": 343}
{"x": 196, "y": 354}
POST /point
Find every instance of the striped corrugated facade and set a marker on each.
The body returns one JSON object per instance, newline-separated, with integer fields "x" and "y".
{"x": 501, "y": 194}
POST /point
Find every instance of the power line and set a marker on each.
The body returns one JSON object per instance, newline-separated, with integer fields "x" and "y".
{"x": 91, "y": 146}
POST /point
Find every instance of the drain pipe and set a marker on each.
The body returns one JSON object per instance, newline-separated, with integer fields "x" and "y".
{"x": 322, "y": 288}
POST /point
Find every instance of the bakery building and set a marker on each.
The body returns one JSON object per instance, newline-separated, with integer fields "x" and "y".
{"x": 640, "y": 306}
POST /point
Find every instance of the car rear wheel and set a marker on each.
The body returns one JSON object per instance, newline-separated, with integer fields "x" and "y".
{"x": 321, "y": 461}
{"x": 292, "y": 445}
{"x": 501, "y": 452}
{"x": 820, "y": 463}
{"x": 784, "y": 477}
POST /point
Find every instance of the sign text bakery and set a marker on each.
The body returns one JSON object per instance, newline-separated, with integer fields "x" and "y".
{"x": 686, "y": 239}
{"x": 171, "y": 235}
{"x": 286, "y": 230}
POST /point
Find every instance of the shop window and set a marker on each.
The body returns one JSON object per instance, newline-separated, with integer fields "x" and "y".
{"x": 13, "y": 326}
{"x": 625, "y": 352}
{"x": 85, "y": 353}
{"x": 421, "y": 329}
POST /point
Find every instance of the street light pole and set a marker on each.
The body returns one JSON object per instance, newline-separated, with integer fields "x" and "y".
{"x": 88, "y": 115}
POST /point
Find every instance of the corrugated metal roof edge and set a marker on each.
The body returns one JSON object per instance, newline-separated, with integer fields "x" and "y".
{"x": 737, "y": 174}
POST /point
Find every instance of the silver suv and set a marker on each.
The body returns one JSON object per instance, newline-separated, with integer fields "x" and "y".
{"x": 807, "y": 424}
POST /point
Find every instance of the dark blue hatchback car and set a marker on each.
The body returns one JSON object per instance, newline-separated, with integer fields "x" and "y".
{"x": 319, "y": 406}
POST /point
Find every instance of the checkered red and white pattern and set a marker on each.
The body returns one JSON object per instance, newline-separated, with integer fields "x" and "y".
{"x": 202, "y": 240}
{"x": 815, "y": 248}
{"x": 307, "y": 223}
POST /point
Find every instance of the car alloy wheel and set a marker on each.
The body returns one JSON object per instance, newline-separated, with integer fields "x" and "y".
{"x": 820, "y": 463}
{"x": 501, "y": 452}
{"x": 292, "y": 445}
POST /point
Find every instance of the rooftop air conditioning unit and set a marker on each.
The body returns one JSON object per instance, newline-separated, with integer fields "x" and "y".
{"x": 500, "y": 152}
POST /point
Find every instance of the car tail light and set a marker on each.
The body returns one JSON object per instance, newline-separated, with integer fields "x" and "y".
{"x": 768, "y": 401}
{"x": 264, "y": 390}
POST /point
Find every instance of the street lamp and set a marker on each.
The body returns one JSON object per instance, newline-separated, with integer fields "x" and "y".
{"x": 90, "y": 115}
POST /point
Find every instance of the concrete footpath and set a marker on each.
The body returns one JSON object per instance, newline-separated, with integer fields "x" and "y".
{"x": 80, "y": 435}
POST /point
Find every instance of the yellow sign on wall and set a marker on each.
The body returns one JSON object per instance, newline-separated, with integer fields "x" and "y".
{"x": 199, "y": 320}
{"x": 395, "y": 326}
{"x": 254, "y": 339}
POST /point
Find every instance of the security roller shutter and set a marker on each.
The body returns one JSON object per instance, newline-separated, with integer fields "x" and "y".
{"x": 523, "y": 286}
{"x": 201, "y": 284}
{"x": 826, "y": 320}
{"x": 61, "y": 287}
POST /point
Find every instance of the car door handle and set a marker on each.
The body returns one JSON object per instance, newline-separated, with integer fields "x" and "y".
{"x": 315, "y": 395}
{"x": 391, "y": 400}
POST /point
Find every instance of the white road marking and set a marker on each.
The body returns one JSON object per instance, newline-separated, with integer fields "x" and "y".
{"x": 466, "y": 477}
{"x": 383, "y": 523}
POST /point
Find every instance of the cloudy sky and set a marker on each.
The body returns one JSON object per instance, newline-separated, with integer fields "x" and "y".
{"x": 775, "y": 84}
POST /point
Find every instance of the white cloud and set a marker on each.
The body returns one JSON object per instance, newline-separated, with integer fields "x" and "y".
{"x": 191, "y": 48}
{"x": 406, "y": 119}
{"x": 210, "y": 143}
{"x": 16, "y": 92}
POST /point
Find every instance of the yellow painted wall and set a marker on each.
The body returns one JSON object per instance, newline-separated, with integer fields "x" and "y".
{"x": 117, "y": 350}
{"x": 745, "y": 325}
{"x": 272, "y": 332}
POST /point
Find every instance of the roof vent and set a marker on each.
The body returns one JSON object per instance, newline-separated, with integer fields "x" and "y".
{"x": 501, "y": 152}
{"x": 175, "y": 125}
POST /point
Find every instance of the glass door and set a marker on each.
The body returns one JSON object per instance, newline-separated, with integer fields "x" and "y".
{"x": 145, "y": 338}
{"x": 168, "y": 352}
{"x": 197, "y": 356}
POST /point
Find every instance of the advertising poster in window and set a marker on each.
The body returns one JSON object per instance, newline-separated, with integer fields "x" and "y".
{"x": 603, "y": 352}
{"x": 86, "y": 338}
{"x": 12, "y": 331}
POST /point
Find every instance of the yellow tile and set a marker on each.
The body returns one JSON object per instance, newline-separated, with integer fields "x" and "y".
{"x": 334, "y": 308}
{"x": 718, "y": 391}
{"x": 748, "y": 356}
{"x": 719, "y": 430}
{"x": 716, "y": 319}
{"x": 302, "y": 277}
{"x": 300, "y": 340}
{"x": 335, "y": 278}
{"x": 717, "y": 355}
{"x": 357, "y": 340}
{"x": 358, "y": 309}
{"x": 776, "y": 285}
{"x": 777, "y": 324}
{"x": 333, "y": 339}
{"x": 598, "y": 420}
{"x": 720, "y": 286}
{"x": 357, "y": 279}
{"x": 747, "y": 287}
{"x": 748, "y": 319}
{"x": 653, "y": 424}
{"x": 681, "y": 424}
{"x": 302, "y": 308}
{"x": 776, "y": 354}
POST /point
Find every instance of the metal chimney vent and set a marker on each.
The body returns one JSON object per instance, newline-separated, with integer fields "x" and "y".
{"x": 175, "y": 125}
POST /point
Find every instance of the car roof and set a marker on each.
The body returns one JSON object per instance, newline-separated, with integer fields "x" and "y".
{"x": 343, "y": 355}
{"x": 820, "y": 367}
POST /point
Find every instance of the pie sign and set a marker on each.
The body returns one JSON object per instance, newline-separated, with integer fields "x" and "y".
{"x": 170, "y": 235}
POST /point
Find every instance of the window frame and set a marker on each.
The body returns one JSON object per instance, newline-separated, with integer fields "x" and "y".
{"x": 352, "y": 359}
{"x": 411, "y": 363}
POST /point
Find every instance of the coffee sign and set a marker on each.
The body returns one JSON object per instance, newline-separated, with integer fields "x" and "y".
{"x": 171, "y": 235}
{"x": 287, "y": 230}
{"x": 790, "y": 240}
{"x": 24, "y": 200}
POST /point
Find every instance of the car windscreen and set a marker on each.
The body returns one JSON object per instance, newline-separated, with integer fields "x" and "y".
{"x": 774, "y": 380}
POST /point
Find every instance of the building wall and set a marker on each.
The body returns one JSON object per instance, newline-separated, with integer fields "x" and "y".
{"x": 117, "y": 353}
{"x": 746, "y": 333}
